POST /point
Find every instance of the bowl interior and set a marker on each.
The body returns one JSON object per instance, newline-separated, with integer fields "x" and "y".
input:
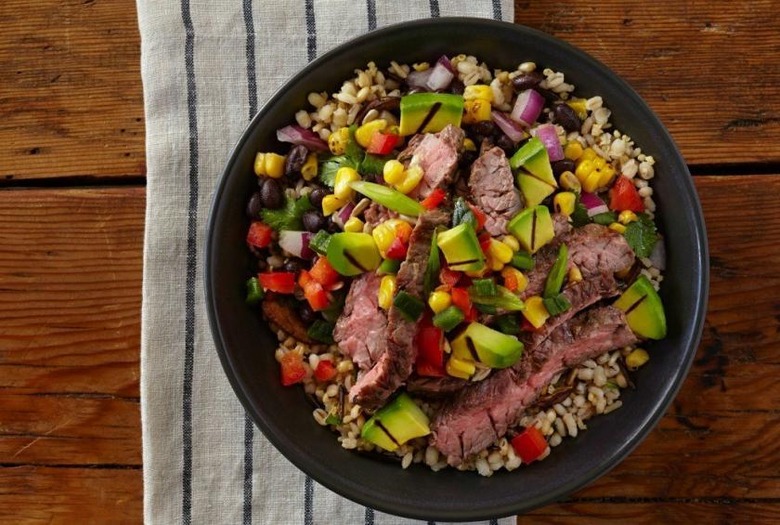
{"x": 246, "y": 345}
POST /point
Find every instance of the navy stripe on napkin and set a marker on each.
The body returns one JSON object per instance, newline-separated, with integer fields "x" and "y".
{"x": 189, "y": 294}
{"x": 311, "y": 31}
{"x": 434, "y": 8}
{"x": 497, "y": 10}
{"x": 371, "y": 10}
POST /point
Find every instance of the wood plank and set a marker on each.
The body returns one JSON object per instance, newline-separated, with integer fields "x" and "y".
{"x": 40, "y": 495}
{"x": 71, "y": 87}
{"x": 70, "y": 291}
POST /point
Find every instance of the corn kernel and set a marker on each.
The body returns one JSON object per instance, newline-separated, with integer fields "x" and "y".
{"x": 535, "y": 312}
{"x": 627, "y": 216}
{"x": 588, "y": 154}
{"x": 364, "y": 133}
{"x": 500, "y": 251}
{"x": 477, "y": 110}
{"x": 494, "y": 264}
{"x": 599, "y": 163}
{"x": 439, "y": 301}
{"x": 617, "y": 227}
{"x": 403, "y": 230}
{"x": 337, "y": 142}
{"x": 331, "y": 203}
{"x": 510, "y": 241}
{"x": 637, "y": 358}
{"x": 573, "y": 150}
{"x": 564, "y": 203}
{"x": 575, "y": 275}
{"x": 274, "y": 165}
{"x": 478, "y": 91}
{"x": 421, "y": 66}
{"x": 260, "y": 164}
{"x": 469, "y": 145}
{"x": 579, "y": 107}
{"x": 584, "y": 168}
{"x": 393, "y": 172}
{"x": 386, "y": 292}
{"x": 412, "y": 177}
{"x": 460, "y": 368}
{"x": 309, "y": 168}
{"x": 607, "y": 173}
{"x": 353, "y": 225}
{"x": 591, "y": 181}
{"x": 513, "y": 274}
{"x": 570, "y": 182}
{"x": 341, "y": 188}
{"x": 383, "y": 237}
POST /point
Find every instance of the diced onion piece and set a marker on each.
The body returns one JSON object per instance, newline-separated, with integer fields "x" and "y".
{"x": 301, "y": 136}
{"x": 549, "y": 137}
{"x": 528, "y": 107}
{"x": 593, "y": 203}
{"x": 344, "y": 214}
{"x": 296, "y": 243}
{"x": 510, "y": 128}
{"x": 441, "y": 75}
{"x": 419, "y": 79}
{"x": 658, "y": 256}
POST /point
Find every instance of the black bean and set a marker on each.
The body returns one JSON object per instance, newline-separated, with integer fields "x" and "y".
{"x": 308, "y": 315}
{"x": 527, "y": 80}
{"x": 261, "y": 265}
{"x": 457, "y": 87}
{"x": 563, "y": 165}
{"x": 293, "y": 266}
{"x": 333, "y": 227}
{"x": 467, "y": 158}
{"x": 295, "y": 159}
{"x": 505, "y": 143}
{"x": 485, "y": 127}
{"x": 272, "y": 194}
{"x": 549, "y": 96}
{"x": 313, "y": 221}
{"x": 566, "y": 117}
{"x": 316, "y": 196}
{"x": 254, "y": 205}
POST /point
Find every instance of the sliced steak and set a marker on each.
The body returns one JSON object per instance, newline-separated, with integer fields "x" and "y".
{"x": 435, "y": 387}
{"x": 281, "y": 313}
{"x": 360, "y": 330}
{"x": 493, "y": 188}
{"x": 594, "y": 248}
{"x": 437, "y": 155}
{"x": 477, "y": 416}
{"x": 395, "y": 364}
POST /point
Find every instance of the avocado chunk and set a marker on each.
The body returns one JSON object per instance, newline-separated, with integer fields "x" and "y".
{"x": 643, "y": 308}
{"x": 534, "y": 190}
{"x": 353, "y": 253}
{"x": 396, "y": 423}
{"x": 461, "y": 248}
{"x": 533, "y": 158}
{"x": 487, "y": 346}
{"x": 429, "y": 112}
{"x": 533, "y": 228}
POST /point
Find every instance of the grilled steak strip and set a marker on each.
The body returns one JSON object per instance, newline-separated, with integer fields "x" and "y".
{"x": 437, "y": 154}
{"x": 361, "y": 327}
{"x": 481, "y": 414}
{"x": 279, "y": 312}
{"x": 493, "y": 188}
{"x": 395, "y": 364}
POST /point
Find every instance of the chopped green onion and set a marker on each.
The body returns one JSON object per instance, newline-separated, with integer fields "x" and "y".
{"x": 462, "y": 213}
{"x": 557, "y": 304}
{"x": 557, "y": 273}
{"x": 333, "y": 419}
{"x": 522, "y": 261}
{"x": 319, "y": 243}
{"x": 388, "y": 197}
{"x": 503, "y": 300}
{"x": 448, "y": 318}
{"x": 605, "y": 219}
{"x": 408, "y": 305}
{"x": 483, "y": 287}
{"x": 486, "y": 308}
{"x": 389, "y": 266}
{"x": 433, "y": 266}
{"x": 254, "y": 292}
{"x": 508, "y": 324}
{"x": 321, "y": 331}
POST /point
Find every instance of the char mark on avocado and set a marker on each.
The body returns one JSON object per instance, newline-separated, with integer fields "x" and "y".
{"x": 479, "y": 414}
{"x": 437, "y": 155}
{"x": 493, "y": 189}
{"x": 395, "y": 365}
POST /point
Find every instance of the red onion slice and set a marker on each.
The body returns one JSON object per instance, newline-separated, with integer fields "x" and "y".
{"x": 418, "y": 79}
{"x": 441, "y": 76}
{"x": 510, "y": 128}
{"x": 549, "y": 137}
{"x": 296, "y": 243}
{"x": 301, "y": 136}
{"x": 593, "y": 203}
{"x": 344, "y": 214}
{"x": 528, "y": 107}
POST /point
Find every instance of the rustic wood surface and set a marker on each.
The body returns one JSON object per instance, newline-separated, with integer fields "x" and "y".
{"x": 72, "y": 210}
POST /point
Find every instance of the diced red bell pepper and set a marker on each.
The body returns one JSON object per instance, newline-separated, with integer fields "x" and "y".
{"x": 479, "y": 215}
{"x": 259, "y": 234}
{"x": 313, "y": 291}
{"x": 449, "y": 278}
{"x": 526, "y": 326}
{"x": 325, "y": 370}
{"x": 279, "y": 282}
{"x": 382, "y": 143}
{"x": 625, "y": 196}
{"x": 484, "y": 242}
{"x": 435, "y": 198}
{"x": 293, "y": 370}
{"x": 397, "y": 250}
{"x": 529, "y": 444}
{"x": 471, "y": 315}
{"x": 322, "y": 272}
{"x": 428, "y": 370}
{"x": 461, "y": 299}
{"x": 430, "y": 351}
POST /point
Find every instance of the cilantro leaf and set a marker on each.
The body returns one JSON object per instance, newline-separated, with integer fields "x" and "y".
{"x": 329, "y": 167}
{"x": 580, "y": 215}
{"x": 641, "y": 235}
{"x": 289, "y": 216}
{"x": 353, "y": 151}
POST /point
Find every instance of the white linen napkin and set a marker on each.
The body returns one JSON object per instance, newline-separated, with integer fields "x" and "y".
{"x": 207, "y": 67}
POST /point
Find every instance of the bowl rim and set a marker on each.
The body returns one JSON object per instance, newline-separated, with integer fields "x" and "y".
{"x": 323, "y": 475}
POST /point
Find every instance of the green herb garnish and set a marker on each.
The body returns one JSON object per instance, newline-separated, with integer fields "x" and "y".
{"x": 641, "y": 235}
{"x": 289, "y": 216}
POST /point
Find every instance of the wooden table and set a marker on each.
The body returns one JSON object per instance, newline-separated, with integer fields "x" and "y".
{"x": 72, "y": 213}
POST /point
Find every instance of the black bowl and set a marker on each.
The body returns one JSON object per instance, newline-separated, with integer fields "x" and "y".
{"x": 246, "y": 345}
